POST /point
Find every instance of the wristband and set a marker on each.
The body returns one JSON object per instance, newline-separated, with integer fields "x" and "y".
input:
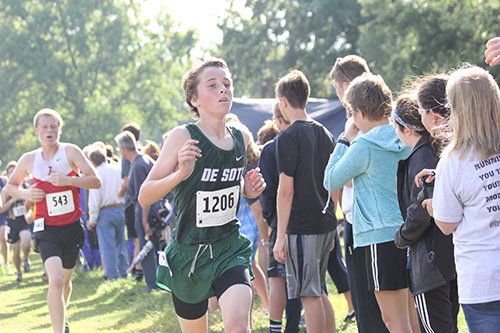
{"x": 344, "y": 141}
{"x": 264, "y": 242}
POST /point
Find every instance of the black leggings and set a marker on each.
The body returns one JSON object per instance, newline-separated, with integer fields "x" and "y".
{"x": 191, "y": 311}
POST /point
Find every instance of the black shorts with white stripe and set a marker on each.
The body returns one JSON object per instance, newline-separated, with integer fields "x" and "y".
{"x": 386, "y": 267}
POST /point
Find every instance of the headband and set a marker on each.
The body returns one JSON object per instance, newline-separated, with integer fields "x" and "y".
{"x": 401, "y": 122}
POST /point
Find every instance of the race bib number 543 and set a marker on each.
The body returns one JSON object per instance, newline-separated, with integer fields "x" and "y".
{"x": 60, "y": 203}
{"x": 215, "y": 208}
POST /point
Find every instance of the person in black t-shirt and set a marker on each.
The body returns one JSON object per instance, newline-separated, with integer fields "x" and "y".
{"x": 305, "y": 232}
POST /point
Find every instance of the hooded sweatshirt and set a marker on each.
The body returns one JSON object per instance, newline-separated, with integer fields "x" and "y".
{"x": 371, "y": 162}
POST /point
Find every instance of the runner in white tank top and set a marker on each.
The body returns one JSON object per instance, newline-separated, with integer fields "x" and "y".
{"x": 58, "y": 230}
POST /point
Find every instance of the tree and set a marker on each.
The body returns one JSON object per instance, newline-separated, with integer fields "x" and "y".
{"x": 403, "y": 38}
{"x": 95, "y": 61}
{"x": 283, "y": 35}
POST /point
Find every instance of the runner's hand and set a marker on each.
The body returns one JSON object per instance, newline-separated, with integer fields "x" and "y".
{"x": 58, "y": 179}
{"x": 35, "y": 194}
{"x": 187, "y": 157}
{"x": 254, "y": 183}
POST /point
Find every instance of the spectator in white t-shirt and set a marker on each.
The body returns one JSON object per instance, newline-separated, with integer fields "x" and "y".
{"x": 466, "y": 196}
{"x": 106, "y": 212}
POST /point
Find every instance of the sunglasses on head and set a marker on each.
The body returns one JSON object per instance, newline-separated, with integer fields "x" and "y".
{"x": 337, "y": 65}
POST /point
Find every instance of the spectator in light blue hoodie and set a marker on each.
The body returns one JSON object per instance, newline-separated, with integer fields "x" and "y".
{"x": 371, "y": 161}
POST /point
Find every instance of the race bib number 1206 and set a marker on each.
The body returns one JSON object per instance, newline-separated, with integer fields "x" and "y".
{"x": 215, "y": 208}
{"x": 60, "y": 203}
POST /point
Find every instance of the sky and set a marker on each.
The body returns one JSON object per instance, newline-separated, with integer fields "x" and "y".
{"x": 202, "y": 15}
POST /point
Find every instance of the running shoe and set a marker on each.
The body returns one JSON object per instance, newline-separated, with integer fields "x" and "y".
{"x": 8, "y": 270}
{"x": 350, "y": 317}
{"x": 66, "y": 325}
{"x": 27, "y": 265}
{"x": 19, "y": 277}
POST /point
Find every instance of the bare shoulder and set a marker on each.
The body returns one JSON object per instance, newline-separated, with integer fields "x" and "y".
{"x": 25, "y": 162}
{"x": 246, "y": 137}
{"x": 180, "y": 133}
{"x": 71, "y": 148}
{"x": 177, "y": 137}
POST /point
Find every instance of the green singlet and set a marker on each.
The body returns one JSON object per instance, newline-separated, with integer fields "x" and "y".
{"x": 206, "y": 241}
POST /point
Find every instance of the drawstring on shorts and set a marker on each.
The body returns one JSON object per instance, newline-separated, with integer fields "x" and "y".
{"x": 201, "y": 249}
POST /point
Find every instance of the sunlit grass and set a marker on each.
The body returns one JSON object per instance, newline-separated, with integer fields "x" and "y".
{"x": 117, "y": 306}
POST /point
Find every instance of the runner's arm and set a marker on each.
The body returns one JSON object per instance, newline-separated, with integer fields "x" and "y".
{"x": 166, "y": 174}
{"x": 13, "y": 186}
{"x": 89, "y": 180}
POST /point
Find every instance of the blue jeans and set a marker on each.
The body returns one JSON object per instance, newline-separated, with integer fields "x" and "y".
{"x": 149, "y": 262}
{"x": 111, "y": 236}
{"x": 482, "y": 317}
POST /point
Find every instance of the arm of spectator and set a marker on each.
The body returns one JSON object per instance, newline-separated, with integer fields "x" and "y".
{"x": 447, "y": 227}
{"x": 269, "y": 169}
{"x": 175, "y": 163}
{"x": 417, "y": 218}
{"x": 123, "y": 188}
{"x": 145, "y": 223}
{"x": 284, "y": 207}
{"x": 345, "y": 163}
{"x": 259, "y": 219}
{"x": 94, "y": 207}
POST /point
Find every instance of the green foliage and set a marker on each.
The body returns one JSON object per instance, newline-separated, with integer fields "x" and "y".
{"x": 398, "y": 38}
{"x": 402, "y": 38}
{"x": 284, "y": 35}
{"x": 96, "y": 62}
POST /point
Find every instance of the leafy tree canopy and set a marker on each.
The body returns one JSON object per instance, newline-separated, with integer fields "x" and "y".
{"x": 283, "y": 35}
{"x": 97, "y": 62}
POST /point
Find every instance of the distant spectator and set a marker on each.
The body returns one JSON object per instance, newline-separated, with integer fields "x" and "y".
{"x": 140, "y": 166}
{"x": 106, "y": 214}
{"x": 152, "y": 149}
{"x": 267, "y": 132}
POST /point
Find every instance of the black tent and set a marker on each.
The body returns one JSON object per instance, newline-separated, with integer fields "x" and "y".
{"x": 252, "y": 112}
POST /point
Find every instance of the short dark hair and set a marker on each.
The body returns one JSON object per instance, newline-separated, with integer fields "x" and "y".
{"x": 190, "y": 81}
{"x": 370, "y": 94}
{"x": 97, "y": 156}
{"x": 133, "y": 128}
{"x": 295, "y": 88}
{"x": 348, "y": 68}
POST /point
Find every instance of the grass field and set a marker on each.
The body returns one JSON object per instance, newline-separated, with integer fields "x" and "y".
{"x": 115, "y": 306}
